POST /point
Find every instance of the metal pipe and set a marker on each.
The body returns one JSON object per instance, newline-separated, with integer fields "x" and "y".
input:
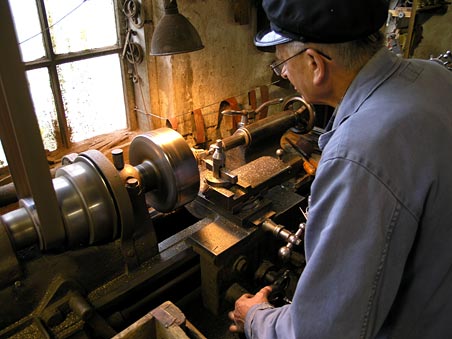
{"x": 8, "y": 194}
{"x": 261, "y": 130}
{"x": 21, "y": 228}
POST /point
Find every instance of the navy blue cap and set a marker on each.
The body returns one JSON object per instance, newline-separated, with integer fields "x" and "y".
{"x": 321, "y": 21}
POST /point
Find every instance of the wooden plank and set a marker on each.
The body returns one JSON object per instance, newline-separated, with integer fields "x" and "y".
{"x": 252, "y": 99}
{"x": 174, "y": 122}
{"x": 401, "y": 12}
{"x": 199, "y": 133}
{"x": 411, "y": 25}
{"x": 163, "y": 322}
{"x": 265, "y": 96}
{"x": 144, "y": 328}
{"x": 233, "y": 120}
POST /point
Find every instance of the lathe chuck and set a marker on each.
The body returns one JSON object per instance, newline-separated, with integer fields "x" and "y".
{"x": 168, "y": 168}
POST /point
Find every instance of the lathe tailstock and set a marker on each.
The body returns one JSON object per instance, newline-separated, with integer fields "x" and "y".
{"x": 166, "y": 242}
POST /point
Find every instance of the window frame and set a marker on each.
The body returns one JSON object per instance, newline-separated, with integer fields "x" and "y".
{"x": 51, "y": 60}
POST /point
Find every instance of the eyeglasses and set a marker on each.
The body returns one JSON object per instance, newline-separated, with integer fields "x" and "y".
{"x": 277, "y": 66}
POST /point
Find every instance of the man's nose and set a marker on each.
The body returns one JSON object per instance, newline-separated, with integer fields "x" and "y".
{"x": 284, "y": 72}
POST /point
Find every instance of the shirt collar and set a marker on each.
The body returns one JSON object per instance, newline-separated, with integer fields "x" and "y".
{"x": 380, "y": 67}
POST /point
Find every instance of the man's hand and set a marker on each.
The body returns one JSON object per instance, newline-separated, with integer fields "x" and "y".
{"x": 242, "y": 306}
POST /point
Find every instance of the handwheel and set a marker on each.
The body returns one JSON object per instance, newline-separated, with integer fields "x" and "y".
{"x": 307, "y": 113}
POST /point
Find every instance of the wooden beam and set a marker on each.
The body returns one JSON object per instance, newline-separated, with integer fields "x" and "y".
{"x": 20, "y": 135}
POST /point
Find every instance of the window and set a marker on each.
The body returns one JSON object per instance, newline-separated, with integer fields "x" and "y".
{"x": 72, "y": 57}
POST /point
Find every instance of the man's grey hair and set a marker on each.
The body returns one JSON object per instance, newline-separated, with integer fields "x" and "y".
{"x": 352, "y": 55}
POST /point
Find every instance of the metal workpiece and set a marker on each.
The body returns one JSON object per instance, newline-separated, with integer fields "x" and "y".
{"x": 260, "y": 130}
{"x": 297, "y": 114}
{"x": 168, "y": 169}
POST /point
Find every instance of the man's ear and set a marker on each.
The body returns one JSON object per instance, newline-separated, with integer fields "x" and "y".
{"x": 318, "y": 67}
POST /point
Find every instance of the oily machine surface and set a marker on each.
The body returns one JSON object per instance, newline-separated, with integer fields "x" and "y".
{"x": 158, "y": 246}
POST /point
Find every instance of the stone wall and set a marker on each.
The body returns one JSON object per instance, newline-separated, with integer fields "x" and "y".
{"x": 170, "y": 88}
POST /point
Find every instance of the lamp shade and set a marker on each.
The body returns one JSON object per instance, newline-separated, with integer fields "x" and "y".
{"x": 174, "y": 34}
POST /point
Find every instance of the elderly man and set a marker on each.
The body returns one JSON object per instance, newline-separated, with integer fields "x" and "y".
{"x": 379, "y": 232}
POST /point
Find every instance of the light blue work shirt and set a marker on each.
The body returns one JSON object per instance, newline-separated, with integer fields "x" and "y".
{"x": 379, "y": 236}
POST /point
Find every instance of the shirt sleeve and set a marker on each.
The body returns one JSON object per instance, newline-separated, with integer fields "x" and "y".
{"x": 356, "y": 225}
{"x": 265, "y": 321}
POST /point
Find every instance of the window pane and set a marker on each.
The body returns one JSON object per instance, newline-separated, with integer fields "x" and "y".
{"x": 44, "y": 104}
{"x": 77, "y": 25}
{"x": 93, "y": 96}
{"x": 3, "y": 162}
{"x": 26, "y": 22}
